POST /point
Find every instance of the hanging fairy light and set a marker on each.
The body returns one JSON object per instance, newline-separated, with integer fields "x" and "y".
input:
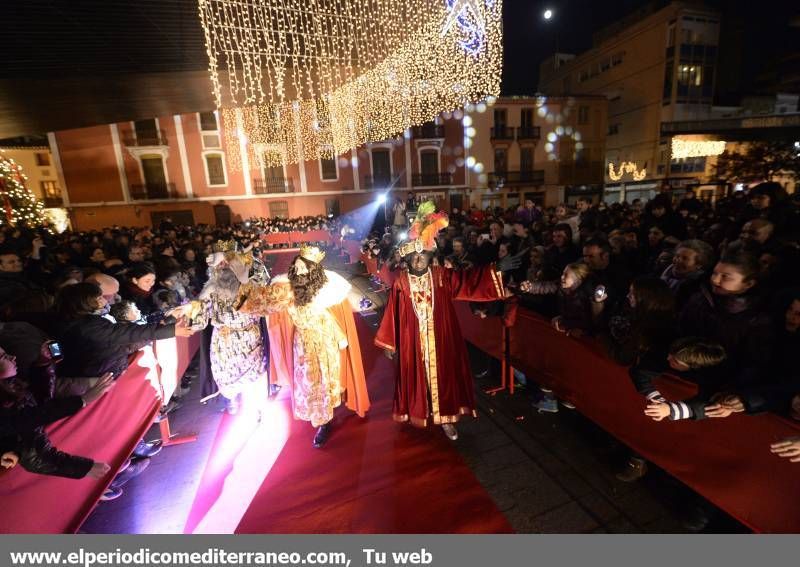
{"x": 626, "y": 167}
{"x": 696, "y": 148}
{"x": 320, "y": 77}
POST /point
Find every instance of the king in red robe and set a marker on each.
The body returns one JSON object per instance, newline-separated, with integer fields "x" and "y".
{"x": 433, "y": 382}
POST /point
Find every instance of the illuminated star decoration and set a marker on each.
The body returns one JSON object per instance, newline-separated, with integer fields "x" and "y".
{"x": 474, "y": 28}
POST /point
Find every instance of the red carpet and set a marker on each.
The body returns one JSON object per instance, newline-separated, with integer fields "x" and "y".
{"x": 373, "y": 476}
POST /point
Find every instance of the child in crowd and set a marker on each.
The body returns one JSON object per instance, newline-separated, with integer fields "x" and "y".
{"x": 696, "y": 360}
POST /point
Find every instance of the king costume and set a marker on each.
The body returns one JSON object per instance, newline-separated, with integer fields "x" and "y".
{"x": 313, "y": 340}
{"x": 433, "y": 383}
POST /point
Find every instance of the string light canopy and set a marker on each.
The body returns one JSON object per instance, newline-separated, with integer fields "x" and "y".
{"x": 308, "y": 79}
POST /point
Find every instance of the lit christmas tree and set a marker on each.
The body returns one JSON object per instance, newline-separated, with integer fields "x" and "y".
{"x": 20, "y": 205}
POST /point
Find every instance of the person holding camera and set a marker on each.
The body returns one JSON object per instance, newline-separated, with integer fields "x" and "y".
{"x": 23, "y": 439}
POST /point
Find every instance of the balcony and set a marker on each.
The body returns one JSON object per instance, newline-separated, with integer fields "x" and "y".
{"x": 428, "y": 131}
{"x": 51, "y": 202}
{"x": 502, "y": 133}
{"x": 500, "y": 179}
{"x": 528, "y": 133}
{"x": 272, "y": 185}
{"x": 431, "y": 179}
{"x": 383, "y": 181}
{"x": 137, "y": 139}
{"x": 145, "y": 191}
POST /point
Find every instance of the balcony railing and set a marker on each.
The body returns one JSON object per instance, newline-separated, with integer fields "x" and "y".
{"x": 528, "y": 133}
{"x": 502, "y": 133}
{"x": 508, "y": 178}
{"x": 143, "y": 191}
{"x": 52, "y": 202}
{"x": 272, "y": 185}
{"x": 428, "y": 131}
{"x": 157, "y": 138}
{"x": 383, "y": 181}
{"x": 431, "y": 179}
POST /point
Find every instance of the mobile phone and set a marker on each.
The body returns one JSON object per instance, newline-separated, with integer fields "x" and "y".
{"x": 55, "y": 349}
{"x": 600, "y": 292}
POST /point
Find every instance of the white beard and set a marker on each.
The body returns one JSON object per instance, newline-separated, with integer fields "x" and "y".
{"x": 222, "y": 284}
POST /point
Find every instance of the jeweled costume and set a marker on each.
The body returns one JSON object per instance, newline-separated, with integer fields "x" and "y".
{"x": 314, "y": 344}
{"x": 237, "y": 350}
{"x": 434, "y": 382}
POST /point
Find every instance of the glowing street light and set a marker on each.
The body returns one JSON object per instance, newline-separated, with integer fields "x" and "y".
{"x": 548, "y": 14}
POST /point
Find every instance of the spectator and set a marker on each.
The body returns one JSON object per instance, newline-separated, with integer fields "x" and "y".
{"x": 92, "y": 345}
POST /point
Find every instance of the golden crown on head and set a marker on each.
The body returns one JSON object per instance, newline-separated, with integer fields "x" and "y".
{"x": 312, "y": 254}
{"x": 225, "y": 246}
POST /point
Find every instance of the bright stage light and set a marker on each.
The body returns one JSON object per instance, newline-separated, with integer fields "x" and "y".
{"x": 381, "y": 198}
{"x": 402, "y": 236}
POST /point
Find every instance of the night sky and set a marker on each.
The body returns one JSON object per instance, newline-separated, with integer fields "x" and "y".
{"x": 753, "y": 33}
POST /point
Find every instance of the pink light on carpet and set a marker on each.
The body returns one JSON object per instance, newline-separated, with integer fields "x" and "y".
{"x": 241, "y": 458}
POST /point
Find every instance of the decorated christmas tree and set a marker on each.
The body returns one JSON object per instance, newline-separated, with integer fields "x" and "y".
{"x": 20, "y": 205}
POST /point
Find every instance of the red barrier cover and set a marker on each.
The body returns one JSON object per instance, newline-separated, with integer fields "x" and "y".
{"x": 371, "y": 264}
{"x": 726, "y": 460}
{"x": 353, "y": 249}
{"x": 106, "y": 430}
{"x": 486, "y": 334}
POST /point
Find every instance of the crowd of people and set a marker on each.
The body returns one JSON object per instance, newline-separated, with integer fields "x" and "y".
{"x": 707, "y": 291}
{"x": 75, "y": 306}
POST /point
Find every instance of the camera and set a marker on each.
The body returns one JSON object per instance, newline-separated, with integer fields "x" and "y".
{"x": 600, "y": 292}
{"x": 55, "y": 349}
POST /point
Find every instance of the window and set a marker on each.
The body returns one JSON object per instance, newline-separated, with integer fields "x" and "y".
{"x": 208, "y": 122}
{"x": 691, "y": 75}
{"x": 429, "y": 162}
{"x": 50, "y": 190}
{"x": 527, "y": 118}
{"x": 616, "y": 59}
{"x": 500, "y": 160}
{"x": 329, "y": 169}
{"x": 279, "y": 209}
{"x": 613, "y": 129}
{"x": 671, "y": 35}
{"x": 605, "y": 65}
{"x": 526, "y": 159}
{"x": 583, "y": 115}
{"x": 583, "y": 75}
{"x": 215, "y": 169}
{"x": 500, "y": 118}
{"x": 147, "y": 133}
{"x": 42, "y": 159}
{"x": 381, "y": 166}
{"x": 688, "y": 165}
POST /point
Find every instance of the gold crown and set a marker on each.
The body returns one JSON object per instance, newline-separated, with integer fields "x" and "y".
{"x": 411, "y": 246}
{"x": 225, "y": 246}
{"x": 312, "y": 254}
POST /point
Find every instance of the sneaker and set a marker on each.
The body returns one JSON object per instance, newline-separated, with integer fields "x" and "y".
{"x": 568, "y": 405}
{"x": 137, "y": 467}
{"x": 546, "y": 405}
{"x": 148, "y": 448}
{"x": 635, "y": 469}
{"x": 111, "y": 493}
{"x": 450, "y": 430}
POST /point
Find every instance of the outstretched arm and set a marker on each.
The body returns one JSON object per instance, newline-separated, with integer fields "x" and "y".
{"x": 262, "y": 300}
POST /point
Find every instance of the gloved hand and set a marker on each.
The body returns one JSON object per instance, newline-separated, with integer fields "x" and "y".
{"x": 510, "y": 263}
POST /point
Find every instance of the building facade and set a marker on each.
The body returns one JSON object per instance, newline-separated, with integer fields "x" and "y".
{"x": 656, "y": 66}
{"x": 547, "y": 149}
{"x": 136, "y": 173}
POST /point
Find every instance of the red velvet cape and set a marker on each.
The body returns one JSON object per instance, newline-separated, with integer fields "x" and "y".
{"x": 399, "y": 333}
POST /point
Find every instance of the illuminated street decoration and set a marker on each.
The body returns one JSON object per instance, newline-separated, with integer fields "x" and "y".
{"x": 682, "y": 149}
{"x": 318, "y": 78}
{"x": 626, "y": 167}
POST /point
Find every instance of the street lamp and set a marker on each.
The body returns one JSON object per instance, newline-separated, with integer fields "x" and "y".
{"x": 548, "y": 14}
